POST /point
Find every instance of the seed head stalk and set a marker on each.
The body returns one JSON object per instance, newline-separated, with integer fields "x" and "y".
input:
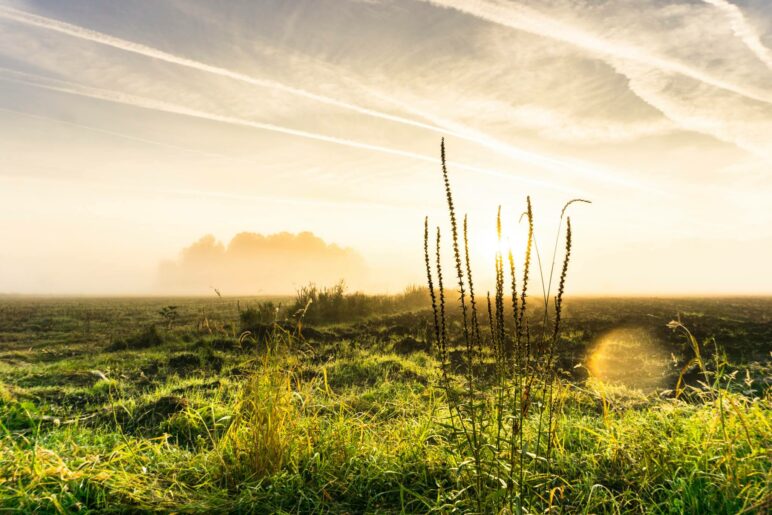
{"x": 431, "y": 284}
{"x": 465, "y": 326}
{"x": 472, "y": 302}
{"x": 518, "y": 418}
{"x": 443, "y": 332}
{"x": 555, "y": 335}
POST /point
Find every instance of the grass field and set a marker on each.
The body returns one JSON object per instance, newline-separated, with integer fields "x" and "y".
{"x": 110, "y": 405}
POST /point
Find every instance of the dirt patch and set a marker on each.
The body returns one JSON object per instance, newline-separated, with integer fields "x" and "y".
{"x": 151, "y": 369}
{"x": 154, "y": 413}
{"x": 211, "y": 360}
{"x": 224, "y": 344}
{"x": 239, "y": 371}
{"x": 312, "y": 334}
{"x": 409, "y": 345}
{"x": 185, "y": 363}
{"x": 77, "y": 379}
{"x": 200, "y": 387}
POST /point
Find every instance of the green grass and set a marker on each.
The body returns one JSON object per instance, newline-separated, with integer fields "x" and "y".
{"x": 354, "y": 422}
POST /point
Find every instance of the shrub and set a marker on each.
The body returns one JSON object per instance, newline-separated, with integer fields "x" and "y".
{"x": 333, "y": 305}
{"x": 259, "y": 321}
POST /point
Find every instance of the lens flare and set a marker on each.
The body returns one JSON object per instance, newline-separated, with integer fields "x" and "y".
{"x": 630, "y": 357}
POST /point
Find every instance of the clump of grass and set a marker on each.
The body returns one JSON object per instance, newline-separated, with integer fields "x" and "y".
{"x": 262, "y": 436}
{"x": 697, "y": 359}
{"x": 261, "y": 315}
{"x": 170, "y": 314}
{"x": 368, "y": 370}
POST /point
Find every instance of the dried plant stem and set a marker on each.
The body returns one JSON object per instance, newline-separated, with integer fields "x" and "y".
{"x": 523, "y": 343}
{"x": 431, "y": 283}
{"x": 472, "y": 416}
{"x": 472, "y": 302}
{"x": 545, "y": 341}
{"x": 547, "y": 390}
{"x": 556, "y": 333}
{"x": 501, "y": 333}
{"x": 443, "y": 337}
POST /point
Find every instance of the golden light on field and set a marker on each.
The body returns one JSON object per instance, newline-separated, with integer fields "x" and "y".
{"x": 630, "y": 357}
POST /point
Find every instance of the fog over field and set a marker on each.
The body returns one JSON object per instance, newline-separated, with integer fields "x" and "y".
{"x": 253, "y": 264}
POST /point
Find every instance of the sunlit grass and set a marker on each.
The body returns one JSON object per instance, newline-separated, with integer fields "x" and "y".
{"x": 357, "y": 423}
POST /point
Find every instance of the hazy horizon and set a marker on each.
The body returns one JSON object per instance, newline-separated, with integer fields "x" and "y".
{"x": 139, "y": 141}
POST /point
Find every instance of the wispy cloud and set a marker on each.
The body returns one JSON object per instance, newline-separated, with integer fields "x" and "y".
{"x": 716, "y": 115}
{"x": 114, "y": 134}
{"x": 439, "y": 125}
{"x": 154, "y": 53}
{"x": 524, "y": 18}
{"x": 557, "y": 165}
{"x": 162, "y": 106}
{"x": 726, "y": 106}
{"x": 743, "y": 30}
{"x": 557, "y": 125}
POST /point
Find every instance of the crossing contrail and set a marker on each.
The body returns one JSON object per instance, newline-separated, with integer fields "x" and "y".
{"x": 158, "y": 105}
{"x": 743, "y": 30}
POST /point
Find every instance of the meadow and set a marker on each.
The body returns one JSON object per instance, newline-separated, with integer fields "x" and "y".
{"x": 233, "y": 148}
{"x": 230, "y": 405}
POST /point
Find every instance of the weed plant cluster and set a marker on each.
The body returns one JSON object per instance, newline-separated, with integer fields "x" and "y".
{"x": 508, "y": 372}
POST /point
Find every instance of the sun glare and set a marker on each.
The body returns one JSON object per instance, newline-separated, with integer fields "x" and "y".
{"x": 487, "y": 245}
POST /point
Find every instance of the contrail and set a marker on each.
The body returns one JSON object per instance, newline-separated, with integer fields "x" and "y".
{"x": 118, "y": 134}
{"x": 83, "y": 33}
{"x": 157, "y": 105}
{"x": 528, "y": 20}
{"x": 288, "y": 200}
{"x": 458, "y": 131}
{"x": 300, "y": 201}
{"x": 549, "y": 163}
{"x": 743, "y": 30}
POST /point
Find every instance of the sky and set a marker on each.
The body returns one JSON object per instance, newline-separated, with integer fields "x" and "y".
{"x": 133, "y": 130}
